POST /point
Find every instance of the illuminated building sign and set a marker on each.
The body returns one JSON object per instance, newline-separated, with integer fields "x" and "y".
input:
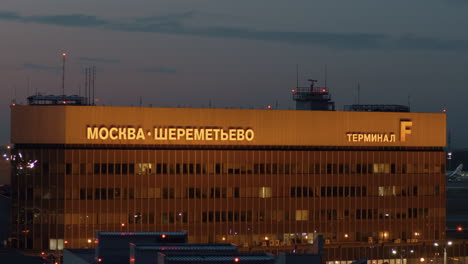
{"x": 169, "y": 133}
{"x": 405, "y": 129}
{"x": 370, "y": 137}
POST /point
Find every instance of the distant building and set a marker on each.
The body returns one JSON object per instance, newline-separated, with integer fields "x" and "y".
{"x": 257, "y": 178}
{"x": 5, "y": 169}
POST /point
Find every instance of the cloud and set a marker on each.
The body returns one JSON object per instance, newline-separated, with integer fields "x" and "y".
{"x": 71, "y": 20}
{"x": 40, "y": 67}
{"x": 157, "y": 70}
{"x": 176, "y": 24}
{"x": 98, "y": 60}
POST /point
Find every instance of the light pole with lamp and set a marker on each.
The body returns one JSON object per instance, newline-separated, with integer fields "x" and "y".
{"x": 402, "y": 253}
{"x": 448, "y": 243}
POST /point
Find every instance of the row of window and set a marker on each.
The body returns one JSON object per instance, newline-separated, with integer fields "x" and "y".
{"x": 216, "y": 192}
{"x": 227, "y": 192}
{"x": 261, "y": 215}
{"x": 257, "y": 168}
{"x": 279, "y": 215}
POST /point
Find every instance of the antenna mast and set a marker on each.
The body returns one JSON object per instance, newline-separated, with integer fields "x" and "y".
{"x": 358, "y": 93}
{"x": 326, "y": 77}
{"x": 64, "y": 54}
{"x": 86, "y": 85}
{"x": 297, "y": 75}
{"x": 94, "y": 78}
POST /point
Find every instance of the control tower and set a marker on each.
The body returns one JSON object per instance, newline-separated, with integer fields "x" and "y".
{"x": 313, "y": 98}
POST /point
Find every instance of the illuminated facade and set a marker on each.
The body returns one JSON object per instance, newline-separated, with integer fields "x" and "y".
{"x": 251, "y": 177}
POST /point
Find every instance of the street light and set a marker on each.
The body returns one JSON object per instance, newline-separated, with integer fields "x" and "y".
{"x": 447, "y": 243}
{"x": 394, "y": 252}
{"x": 402, "y": 253}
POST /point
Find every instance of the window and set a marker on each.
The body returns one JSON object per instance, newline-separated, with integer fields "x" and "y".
{"x": 264, "y": 192}
{"x": 387, "y": 190}
{"x": 144, "y": 168}
{"x": 236, "y": 192}
{"x": 302, "y": 215}
{"x": 381, "y": 168}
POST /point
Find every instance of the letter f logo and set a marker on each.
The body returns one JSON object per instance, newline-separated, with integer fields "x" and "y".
{"x": 405, "y": 129}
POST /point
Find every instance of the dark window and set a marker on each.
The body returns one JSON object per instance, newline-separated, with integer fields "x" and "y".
{"x": 358, "y": 168}
{"x": 103, "y": 168}
{"x": 68, "y": 168}
{"x": 218, "y": 168}
{"x": 89, "y": 193}
{"x": 236, "y": 192}
{"x": 364, "y": 169}
{"x": 97, "y": 168}
{"x": 190, "y": 193}
{"x": 103, "y": 193}
{"x": 82, "y": 193}
{"x": 110, "y": 194}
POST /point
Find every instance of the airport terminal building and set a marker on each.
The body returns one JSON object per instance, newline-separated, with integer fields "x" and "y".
{"x": 256, "y": 178}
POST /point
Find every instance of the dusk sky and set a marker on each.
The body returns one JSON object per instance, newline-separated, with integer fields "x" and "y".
{"x": 240, "y": 54}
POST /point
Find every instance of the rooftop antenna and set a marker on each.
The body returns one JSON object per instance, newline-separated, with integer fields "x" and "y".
{"x": 89, "y": 86}
{"x": 86, "y": 86}
{"x": 358, "y": 92}
{"x": 141, "y": 101}
{"x": 29, "y": 86}
{"x": 64, "y": 54}
{"x": 326, "y": 77}
{"x": 94, "y": 78}
{"x": 14, "y": 89}
{"x": 297, "y": 76}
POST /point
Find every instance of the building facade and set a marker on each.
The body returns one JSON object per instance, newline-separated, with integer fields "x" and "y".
{"x": 249, "y": 177}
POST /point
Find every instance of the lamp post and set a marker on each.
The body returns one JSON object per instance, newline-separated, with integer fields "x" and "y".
{"x": 447, "y": 244}
{"x": 402, "y": 252}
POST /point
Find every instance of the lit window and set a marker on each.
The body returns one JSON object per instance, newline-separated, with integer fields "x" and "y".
{"x": 381, "y": 168}
{"x": 302, "y": 215}
{"x": 264, "y": 192}
{"x": 387, "y": 190}
{"x": 144, "y": 168}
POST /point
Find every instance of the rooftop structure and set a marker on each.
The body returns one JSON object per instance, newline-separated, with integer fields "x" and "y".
{"x": 57, "y": 100}
{"x": 313, "y": 98}
{"x": 377, "y": 108}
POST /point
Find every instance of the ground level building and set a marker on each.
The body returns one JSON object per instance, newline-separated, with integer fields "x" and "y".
{"x": 250, "y": 177}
